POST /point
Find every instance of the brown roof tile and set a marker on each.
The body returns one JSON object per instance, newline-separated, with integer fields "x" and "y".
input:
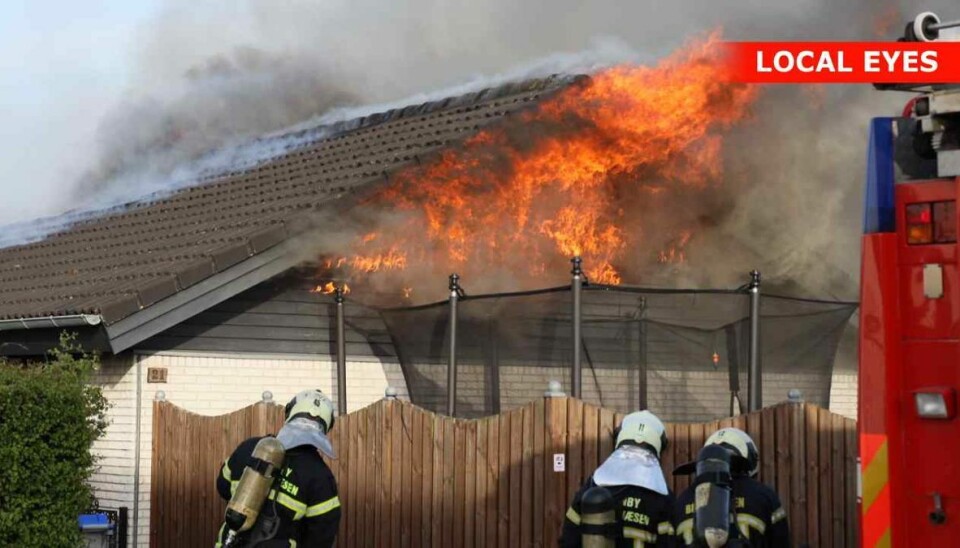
{"x": 122, "y": 261}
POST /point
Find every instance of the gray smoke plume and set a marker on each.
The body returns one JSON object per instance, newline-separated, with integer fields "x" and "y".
{"x": 212, "y": 77}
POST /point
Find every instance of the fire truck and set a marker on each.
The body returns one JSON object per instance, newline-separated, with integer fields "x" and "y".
{"x": 910, "y": 318}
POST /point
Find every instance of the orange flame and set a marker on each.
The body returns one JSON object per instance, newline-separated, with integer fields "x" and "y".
{"x": 554, "y": 181}
{"x": 329, "y": 288}
{"x": 675, "y": 253}
{"x": 392, "y": 259}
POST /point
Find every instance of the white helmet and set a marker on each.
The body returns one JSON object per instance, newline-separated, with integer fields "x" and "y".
{"x": 741, "y": 443}
{"x": 644, "y": 429}
{"x": 311, "y": 404}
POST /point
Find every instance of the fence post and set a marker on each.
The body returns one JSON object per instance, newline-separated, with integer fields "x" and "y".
{"x": 455, "y": 294}
{"x": 577, "y": 286}
{"x": 755, "y": 394}
{"x": 341, "y": 354}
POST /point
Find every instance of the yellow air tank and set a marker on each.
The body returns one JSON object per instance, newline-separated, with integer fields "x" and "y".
{"x": 254, "y": 486}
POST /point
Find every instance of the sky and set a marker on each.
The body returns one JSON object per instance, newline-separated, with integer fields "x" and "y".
{"x": 63, "y": 64}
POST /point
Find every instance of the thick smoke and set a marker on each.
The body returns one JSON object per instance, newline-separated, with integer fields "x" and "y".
{"x": 210, "y": 77}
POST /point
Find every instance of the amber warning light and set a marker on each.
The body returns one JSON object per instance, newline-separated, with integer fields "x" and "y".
{"x": 931, "y": 222}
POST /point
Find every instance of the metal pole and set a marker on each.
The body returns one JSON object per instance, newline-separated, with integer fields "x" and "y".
{"x": 643, "y": 356}
{"x": 577, "y": 285}
{"x": 452, "y": 367}
{"x": 755, "y": 394}
{"x": 341, "y": 354}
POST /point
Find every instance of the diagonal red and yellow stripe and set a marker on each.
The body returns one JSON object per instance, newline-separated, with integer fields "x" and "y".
{"x": 876, "y": 490}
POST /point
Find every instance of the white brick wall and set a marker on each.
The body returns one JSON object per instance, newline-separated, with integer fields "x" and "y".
{"x": 843, "y": 397}
{"x": 207, "y": 384}
{"x": 689, "y": 396}
{"x": 113, "y": 478}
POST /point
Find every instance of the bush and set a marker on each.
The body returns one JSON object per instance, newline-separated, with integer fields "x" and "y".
{"x": 49, "y": 417}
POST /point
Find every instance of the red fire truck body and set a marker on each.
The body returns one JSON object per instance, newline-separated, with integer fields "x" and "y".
{"x": 910, "y": 330}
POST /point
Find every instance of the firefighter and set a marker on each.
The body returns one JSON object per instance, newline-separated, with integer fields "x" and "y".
{"x": 756, "y": 510}
{"x": 632, "y": 474}
{"x": 302, "y": 509}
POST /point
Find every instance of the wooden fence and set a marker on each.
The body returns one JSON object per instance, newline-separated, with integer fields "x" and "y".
{"x": 408, "y": 477}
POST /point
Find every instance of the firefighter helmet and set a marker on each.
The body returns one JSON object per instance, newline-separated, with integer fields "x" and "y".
{"x": 644, "y": 429}
{"x": 741, "y": 444}
{"x": 312, "y": 404}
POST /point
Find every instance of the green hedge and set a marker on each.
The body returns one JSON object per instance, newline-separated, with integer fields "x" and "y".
{"x": 49, "y": 418}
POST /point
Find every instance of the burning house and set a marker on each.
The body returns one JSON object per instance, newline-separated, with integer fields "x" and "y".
{"x": 218, "y": 292}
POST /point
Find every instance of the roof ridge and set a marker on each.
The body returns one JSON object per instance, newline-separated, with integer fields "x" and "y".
{"x": 301, "y": 138}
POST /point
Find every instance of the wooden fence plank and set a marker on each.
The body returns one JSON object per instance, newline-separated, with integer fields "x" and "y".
{"x": 555, "y": 416}
{"x": 783, "y": 462}
{"x": 607, "y": 425}
{"x": 493, "y": 481}
{"x": 753, "y": 425}
{"x": 539, "y": 474}
{"x": 470, "y": 490}
{"x": 681, "y": 453}
{"x": 410, "y": 518}
{"x": 459, "y": 481}
{"x": 824, "y": 476}
{"x": 483, "y": 470}
{"x": 503, "y": 487}
{"x": 355, "y": 477}
{"x": 182, "y": 443}
{"x": 516, "y": 473}
{"x": 427, "y": 451}
{"x": 667, "y": 461}
{"x": 591, "y": 439}
{"x": 447, "y": 482}
{"x": 384, "y": 508}
{"x": 768, "y": 450}
{"x": 798, "y": 472}
{"x": 399, "y": 468}
{"x": 526, "y": 478}
{"x": 362, "y": 497}
{"x": 373, "y": 473}
{"x": 812, "y": 461}
{"x": 848, "y": 428}
{"x": 413, "y": 536}
{"x": 574, "y": 448}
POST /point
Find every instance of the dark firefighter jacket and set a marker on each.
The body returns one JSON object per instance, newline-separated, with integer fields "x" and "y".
{"x": 758, "y": 512}
{"x": 304, "y": 497}
{"x": 643, "y": 519}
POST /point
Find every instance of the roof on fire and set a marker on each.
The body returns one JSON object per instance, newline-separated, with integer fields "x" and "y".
{"x": 145, "y": 267}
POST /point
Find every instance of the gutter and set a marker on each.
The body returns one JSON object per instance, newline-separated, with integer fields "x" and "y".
{"x": 73, "y": 320}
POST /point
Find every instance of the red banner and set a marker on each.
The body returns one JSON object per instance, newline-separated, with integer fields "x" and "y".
{"x": 844, "y": 62}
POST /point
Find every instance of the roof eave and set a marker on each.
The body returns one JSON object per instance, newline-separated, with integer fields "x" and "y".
{"x": 47, "y": 322}
{"x": 131, "y": 330}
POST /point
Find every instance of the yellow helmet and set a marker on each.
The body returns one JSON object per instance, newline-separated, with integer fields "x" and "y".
{"x": 740, "y": 443}
{"x": 644, "y": 429}
{"x": 311, "y": 404}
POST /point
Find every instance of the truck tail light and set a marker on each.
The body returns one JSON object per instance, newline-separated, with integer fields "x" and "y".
{"x": 932, "y": 223}
{"x": 935, "y": 403}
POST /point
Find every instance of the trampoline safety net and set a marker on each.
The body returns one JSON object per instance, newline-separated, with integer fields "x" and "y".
{"x": 681, "y": 353}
